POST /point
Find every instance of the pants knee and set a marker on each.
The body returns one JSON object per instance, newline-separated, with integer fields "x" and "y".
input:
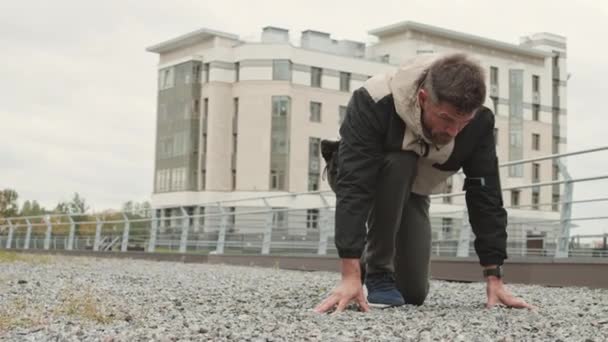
{"x": 416, "y": 296}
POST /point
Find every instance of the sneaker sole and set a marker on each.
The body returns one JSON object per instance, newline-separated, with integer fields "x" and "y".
{"x": 382, "y": 306}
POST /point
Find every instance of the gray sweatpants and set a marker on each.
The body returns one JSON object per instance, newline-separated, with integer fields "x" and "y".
{"x": 399, "y": 229}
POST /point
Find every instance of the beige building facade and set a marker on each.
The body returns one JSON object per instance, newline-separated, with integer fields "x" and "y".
{"x": 240, "y": 119}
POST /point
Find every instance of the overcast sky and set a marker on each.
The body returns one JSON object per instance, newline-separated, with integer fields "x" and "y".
{"x": 78, "y": 90}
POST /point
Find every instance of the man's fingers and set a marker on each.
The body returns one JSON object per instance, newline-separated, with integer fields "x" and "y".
{"x": 363, "y": 305}
{"x": 327, "y": 304}
{"x": 341, "y": 305}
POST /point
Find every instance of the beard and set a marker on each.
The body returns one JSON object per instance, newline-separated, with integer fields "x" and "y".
{"x": 441, "y": 138}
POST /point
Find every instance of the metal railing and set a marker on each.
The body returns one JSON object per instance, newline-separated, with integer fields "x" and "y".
{"x": 297, "y": 223}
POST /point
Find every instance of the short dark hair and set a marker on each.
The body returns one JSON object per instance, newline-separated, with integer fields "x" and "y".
{"x": 457, "y": 80}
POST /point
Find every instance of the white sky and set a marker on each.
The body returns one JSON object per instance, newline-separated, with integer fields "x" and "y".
{"x": 78, "y": 91}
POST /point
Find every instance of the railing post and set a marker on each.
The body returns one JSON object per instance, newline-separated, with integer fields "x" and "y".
{"x": 464, "y": 239}
{"x": 185, "y": 226}
{"x": 125, "y": 233}
{"x": 221, "y": 238}
{"x": 562, "y": 247}
{"x": 28, "y": 234}
{"x": 97, "y": 241}
{"x": 153, "y": 231}
{"x": 267, "y": 237}
{"x": 49, "y": 229}
{"x": 11, "y": 231}
{"x": 72, "y": 233}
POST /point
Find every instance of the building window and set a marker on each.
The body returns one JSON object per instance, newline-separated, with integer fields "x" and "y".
{"x": 535, "y": 83}
{"x": 315, "y": 111}
{"x": 274, "y": 180}
{"x": 494, "y": 76}
{"x": 555, "y": 202}
{"x": 281, "y": 70}
{"x": 516, "y": 120}
{"x": 341, "y": 114}
{"x": 234, "y": 149}
{"x": 196, "y": 71}
{"x": 535, "y": 172}
{"x": 235, "y": 125}
{"x": 231, "y": 222}
{"x": 235, "y": 116}
{"x": 280, "y": 106}
{"x": 494, "y": 100}
{"x": 314, "y": 163}
{"x": 536, "y": 142}
{"x": 344, "y": 81}
{"x": 535, "y": 199}
{"x": 166, "y": 79}
{"x": 237, "y": 72}
{"x": 279, "y": 219}
{"x": 203, "y": 179}
{"x": 535, "y": 112}
{"x": 515, "y": 198}
{"x": 279, "y": 150}
{"x": 178, "y": 179}
{"x": 555, "y": 172}
{"x": 448, "y": 190}
{"x": 313, "y": 182}
{"x": 312, "y": 218}
{"x": 555, "y": 145}
{"x": 207, "y": 72}
{"x": 316, "y": 74}
{"x": 196, "y": 109}
{"x": 447, "y": 225}
{"x": 160, "y": 180}
{"x": 556, "y": 93}
{"x": 277, "y": 180}
{"x": 555, "y": 113}
{"x": 496, "y": 136}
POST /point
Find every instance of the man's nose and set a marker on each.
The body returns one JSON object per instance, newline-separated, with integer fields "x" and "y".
{"x": 452, "y": 130}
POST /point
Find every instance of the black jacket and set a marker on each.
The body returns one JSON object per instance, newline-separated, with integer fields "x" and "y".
{"x": 372, "y": 127}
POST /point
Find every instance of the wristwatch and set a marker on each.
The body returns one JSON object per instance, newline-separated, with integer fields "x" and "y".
{"x": 497, "y": 272}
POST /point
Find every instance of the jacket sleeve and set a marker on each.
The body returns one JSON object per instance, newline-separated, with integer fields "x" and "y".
{"x": 359, "y": 161}
{"x": 487, "y": 215}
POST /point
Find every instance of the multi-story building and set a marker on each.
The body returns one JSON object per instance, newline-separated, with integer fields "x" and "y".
{"x": 241, "y": 119}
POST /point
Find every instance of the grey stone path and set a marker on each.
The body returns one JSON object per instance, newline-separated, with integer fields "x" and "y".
{"x": 88, "y": 299}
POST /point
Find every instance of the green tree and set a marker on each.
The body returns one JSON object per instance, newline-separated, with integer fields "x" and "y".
{"x": 62, "y": 208}
{"x": 8, "y": 203}
{"x": 26, "y": 208}
{"x": 129, "y": 206}
{"x": 37, "y": 210}
{"x": 78, "y": 204}
{"x": 32, "y": 209}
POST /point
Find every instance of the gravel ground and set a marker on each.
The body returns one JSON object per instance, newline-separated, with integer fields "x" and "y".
{"x": 88, "y": 299}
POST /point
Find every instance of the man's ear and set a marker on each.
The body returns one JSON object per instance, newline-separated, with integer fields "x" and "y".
{"x": 423, "y": 95}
